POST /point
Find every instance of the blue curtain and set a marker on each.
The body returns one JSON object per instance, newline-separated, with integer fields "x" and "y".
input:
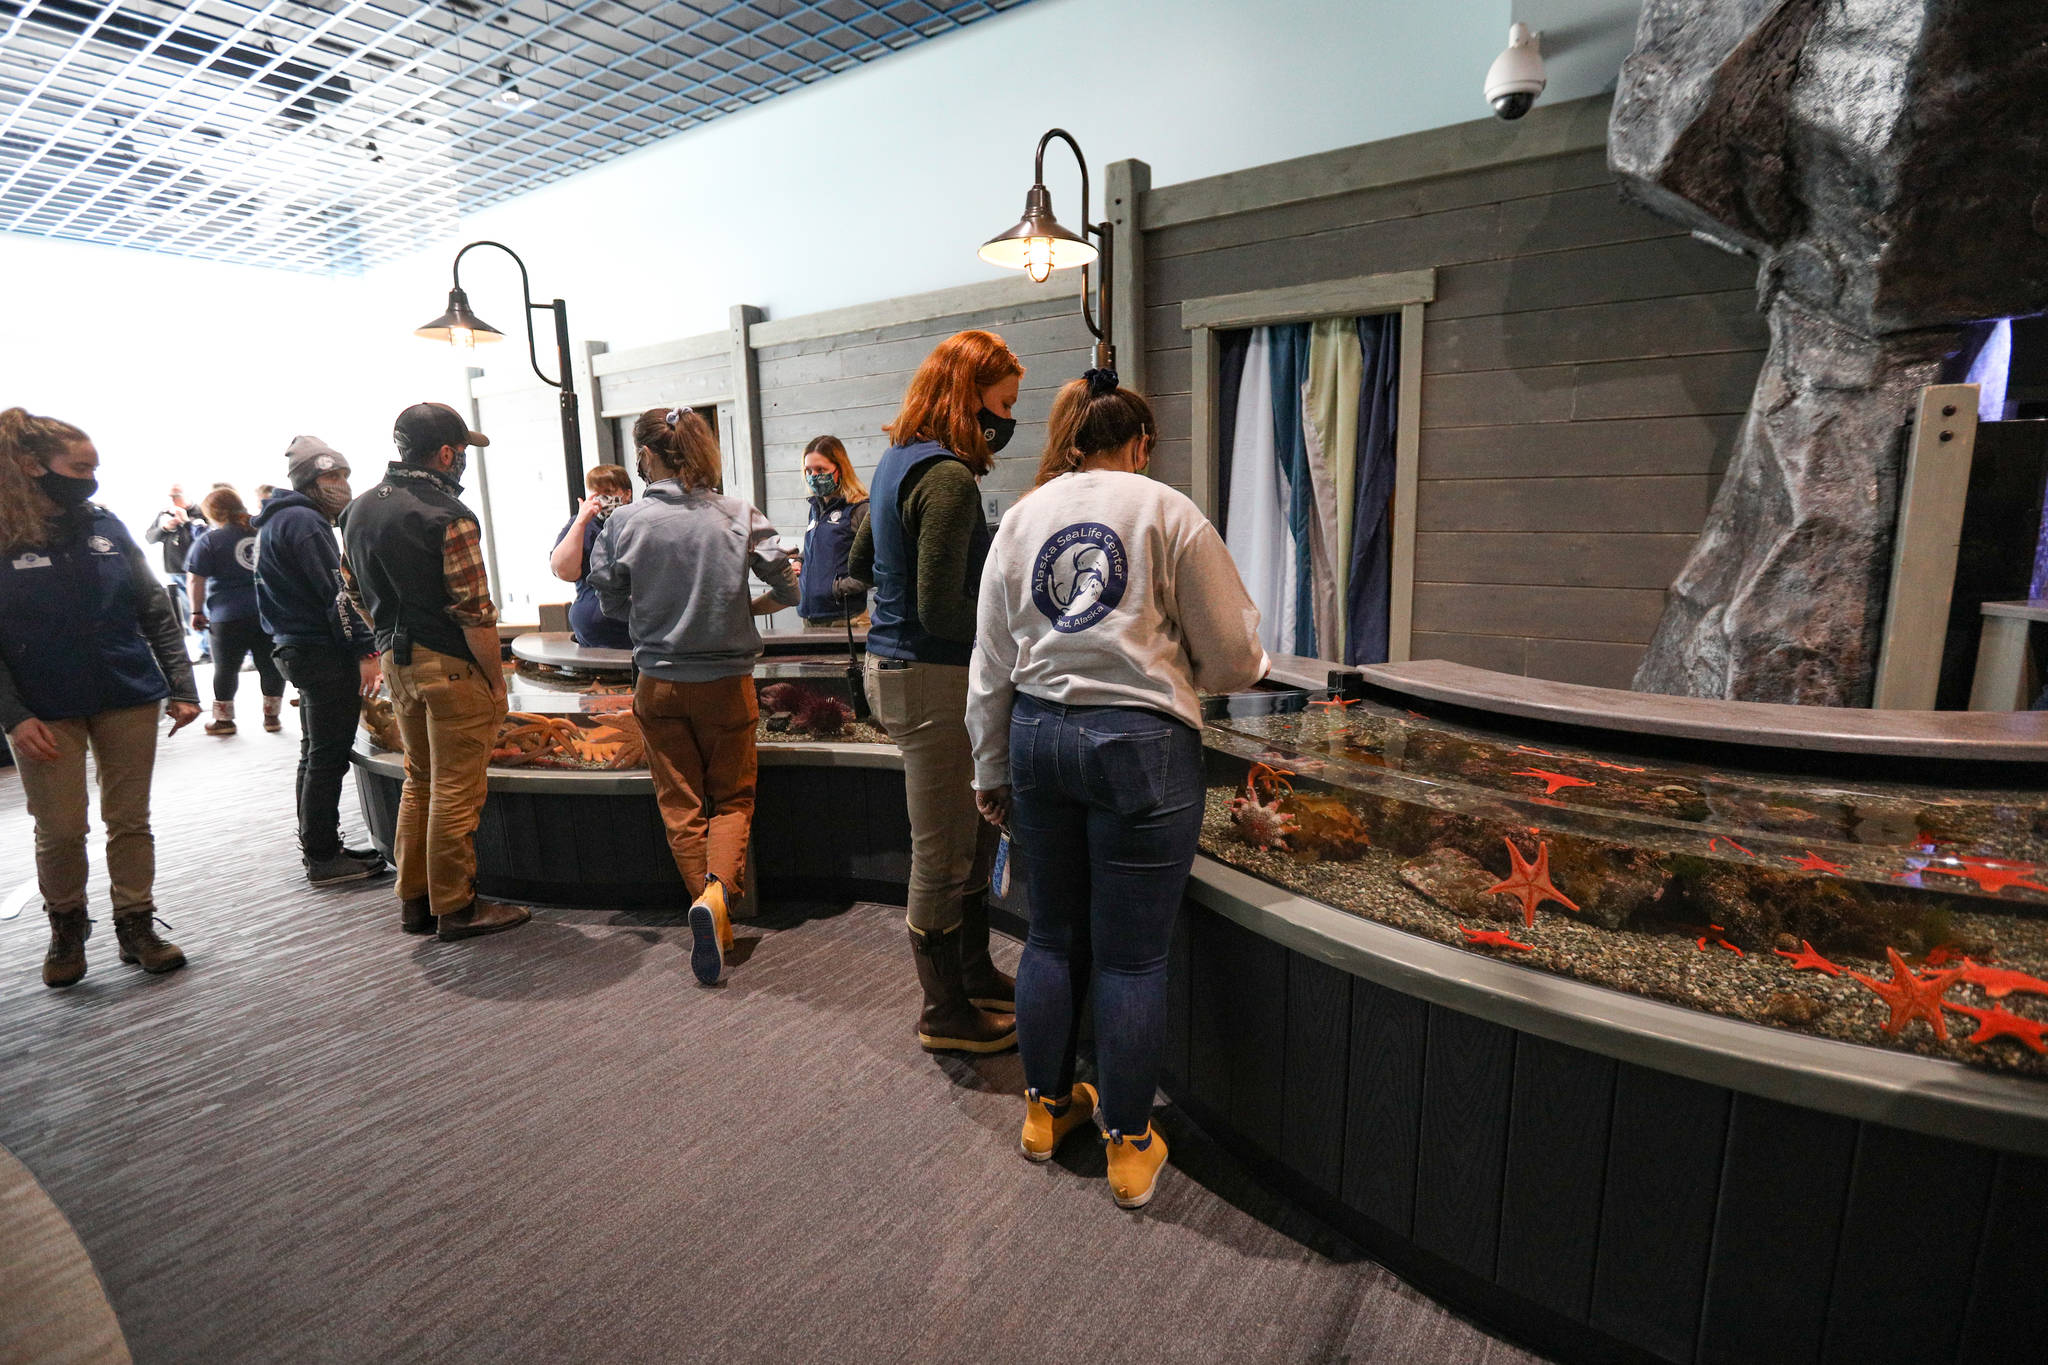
{"x": 1231, "y": 348}
{"x": 1290, "y": 371}
{"x": 1372, "y": 537}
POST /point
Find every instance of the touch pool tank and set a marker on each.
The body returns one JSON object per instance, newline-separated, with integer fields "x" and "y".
{"x": 1875, "y": 910}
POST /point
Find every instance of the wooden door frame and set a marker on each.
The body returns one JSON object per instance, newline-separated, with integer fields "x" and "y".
{"x": 1406, "y": 292}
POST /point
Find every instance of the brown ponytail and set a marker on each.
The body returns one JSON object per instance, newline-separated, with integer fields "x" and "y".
{"x": 681, "y": 446}
{"x": 1091, "y": 416}
{"x": 27, "y": 446}
{"x": 224, "y": 507}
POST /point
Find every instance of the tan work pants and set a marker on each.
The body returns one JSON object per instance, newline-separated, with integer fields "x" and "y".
{"x": 123, "y": 745}
{"x": 701, "y": 754}
{"x": 924, "y": 709}
{"x": 448, "y": 718}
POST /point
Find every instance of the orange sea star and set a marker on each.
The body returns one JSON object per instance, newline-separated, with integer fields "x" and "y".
{"x": 1991, "y": 874}
{"x": 2002, "y": 1023}
{"x": 1999, "y": 982}
{"x": 1910, "y": 996}
{"x": 1530, "y": 882}
{"x": 1806, "y": 959}
{"x": 1553, "y": 781}
{"x": 1813, "y": 862}
{"x": 1493, "y": 938}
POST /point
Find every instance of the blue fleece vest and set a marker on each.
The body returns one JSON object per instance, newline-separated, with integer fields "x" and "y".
{"x": 827, "y": 542}
{"x": 898, "y": 632}
{"x": 71, "y": 624}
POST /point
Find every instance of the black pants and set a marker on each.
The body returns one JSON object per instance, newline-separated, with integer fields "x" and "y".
{"x": 234, "y": 641}
{"x": 330, "y": 705}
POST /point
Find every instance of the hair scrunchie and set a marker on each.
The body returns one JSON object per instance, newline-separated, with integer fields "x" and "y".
{"x": 1100, "y": 382}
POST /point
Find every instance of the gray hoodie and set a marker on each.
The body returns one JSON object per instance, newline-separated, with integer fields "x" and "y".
{"x": 673, "y": 565}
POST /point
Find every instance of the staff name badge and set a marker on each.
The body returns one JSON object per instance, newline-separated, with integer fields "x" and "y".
{"x": 32, "y": 560}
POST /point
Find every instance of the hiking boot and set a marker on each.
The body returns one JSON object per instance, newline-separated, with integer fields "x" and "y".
{"x": 273, "y": 710}
{"x": 987, "y": 987}
{"x": 1045, "y": 1125}
{"x": 135, "y": 931}
{"x": 481, "y": 917}
{"x": 950, "y": 1021}
{"x": 416, "y": 916}
{"x": 341, "y": 868}
{"x": 69, "y": 929}
{"x": 223, "y": 722}
{"x": 1134, "y": 1165}
{"x": 710, "y": 934}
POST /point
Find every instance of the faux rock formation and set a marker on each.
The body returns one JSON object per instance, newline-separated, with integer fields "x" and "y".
{"x": 1885, "y": 165}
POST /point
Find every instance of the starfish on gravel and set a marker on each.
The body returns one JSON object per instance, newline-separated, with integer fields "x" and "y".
{"x": 1999, "y": 982}
{"x": 1492, "y": 938}
{"x": 1529, "y": 882}
{"x": 1992, "y": 875}
{"x": 1813, "y": 862}
{"x": 1718, "y": 840}
{"x": 1998, "y": 1022}
{"x": 1552, "y": 782}
{"x": 1911, "y": 996}
{"x": 1806, "y": 959}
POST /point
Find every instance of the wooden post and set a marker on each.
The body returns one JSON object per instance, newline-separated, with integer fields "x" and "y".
{"x": 1924, "y": 545}
{"x": 1128, "y": 180}
{"x": 1204, "y": 446}
{"x": 749, "y": 466}
{"x": 1407, "y": 479}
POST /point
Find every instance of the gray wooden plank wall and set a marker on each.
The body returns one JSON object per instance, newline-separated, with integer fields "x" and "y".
{"x": 849, "y": 384}
{"x": 1585, "y": 368}
{"x": 685, "y": 383}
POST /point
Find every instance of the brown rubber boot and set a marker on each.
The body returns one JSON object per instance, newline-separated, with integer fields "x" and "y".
{"x": 135, "y": 931}
{"x": 69, "y": 929}
{"x": 416, "y": 916}
{"x": 987, "y": 986}
{"x": 951, "y": 1022}
{"x": 481, "y": 917}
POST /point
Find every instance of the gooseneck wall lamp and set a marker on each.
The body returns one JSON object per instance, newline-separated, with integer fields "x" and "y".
{"x": 1039, "y": 245}
{"x": 462, "y": 328}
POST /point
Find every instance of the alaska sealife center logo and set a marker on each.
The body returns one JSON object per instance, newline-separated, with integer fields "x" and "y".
{"x": 1079, "y": 576}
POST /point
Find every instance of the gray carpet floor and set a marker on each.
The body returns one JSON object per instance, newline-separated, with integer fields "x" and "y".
{"x": 325, "y": 1140}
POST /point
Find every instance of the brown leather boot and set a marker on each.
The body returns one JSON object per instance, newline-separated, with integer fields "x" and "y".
{"x": 69, "y": 929}
{"x": 481, "y": 917}
{"x": 416, "y": 916}
{"x": 135, "y": 931}
{"x": 988, "y": 987}
{"x": 951, "y": 1022}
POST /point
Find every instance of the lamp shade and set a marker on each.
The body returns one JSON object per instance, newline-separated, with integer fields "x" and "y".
{"x": 458, "y": 326}
{"x": 1038, "y": 243}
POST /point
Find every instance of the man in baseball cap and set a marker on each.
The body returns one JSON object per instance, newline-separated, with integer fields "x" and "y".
{"x": 413, "y": 553}
{"x": 327, "y": 652}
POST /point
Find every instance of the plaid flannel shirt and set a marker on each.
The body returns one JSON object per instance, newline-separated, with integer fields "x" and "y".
{"x": 462, "y": 569}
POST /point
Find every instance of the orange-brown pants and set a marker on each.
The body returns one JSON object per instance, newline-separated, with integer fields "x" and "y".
{"x": 700, "y": 751}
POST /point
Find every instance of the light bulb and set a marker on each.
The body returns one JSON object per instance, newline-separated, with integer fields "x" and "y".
{"x": 462, "y": 337}
{"x": 1038, "y": 258}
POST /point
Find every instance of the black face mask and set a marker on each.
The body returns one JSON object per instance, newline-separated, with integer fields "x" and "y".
{"x": 65, "y": 491}
{"x": 997, "y": 431}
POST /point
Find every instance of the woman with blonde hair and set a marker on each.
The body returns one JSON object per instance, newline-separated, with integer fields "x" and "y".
{"x": 1109, "y": 604}
{"x": 674, "y": 566}
{"x": 90, "y": 651}
{"x": 839, "y": 509}
{"x": 221, "y": 566}
{"x": 610, "y": 489}
{"x": 923, "y": 549}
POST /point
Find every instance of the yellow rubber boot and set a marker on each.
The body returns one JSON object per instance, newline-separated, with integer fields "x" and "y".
{"x": 1046, "y": 1125}
{"x": 1134, "y": 1166}
{"x": 710, "y": 934}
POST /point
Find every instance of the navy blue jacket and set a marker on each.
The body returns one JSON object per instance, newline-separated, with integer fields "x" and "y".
{"x": 825, "y": 593}
{"x": 226, "y": 558}
{"x": 588, "y": 625}
{"x": 298, "y": 578}
{"x": 85, "y": 626}
{"x": 898, "y": 632}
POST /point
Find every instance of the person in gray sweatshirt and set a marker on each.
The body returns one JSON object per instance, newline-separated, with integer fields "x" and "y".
{"x": 674, "y": 566}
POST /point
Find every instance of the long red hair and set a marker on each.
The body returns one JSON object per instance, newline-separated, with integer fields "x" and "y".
{"x": 943, "y": 402}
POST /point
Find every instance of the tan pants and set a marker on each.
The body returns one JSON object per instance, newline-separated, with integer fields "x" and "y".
{"x": 123, "y": 745}
{"x": 448, "y": 718}
{"x": 839, "y": 623}
{"x": 700, "y": 752}
{"x": 924, "y": 709}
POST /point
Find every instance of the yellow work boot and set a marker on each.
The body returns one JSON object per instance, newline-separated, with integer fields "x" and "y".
{"x": 710, "y": 934}
{"x": 1045, "y": 1125}
{"x": 1134, "y": 1165}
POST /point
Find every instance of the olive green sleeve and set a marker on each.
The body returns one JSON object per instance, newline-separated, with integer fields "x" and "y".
{"x": 941, "y": 512}
{"x": 860, "y": 560}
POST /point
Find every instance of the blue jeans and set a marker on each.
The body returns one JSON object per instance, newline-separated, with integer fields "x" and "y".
{"x": 1106, "y": 810}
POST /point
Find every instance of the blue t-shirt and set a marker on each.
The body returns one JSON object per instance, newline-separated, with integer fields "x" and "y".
{"x": 226, "y": 557}
{"x": 587, "y": 622}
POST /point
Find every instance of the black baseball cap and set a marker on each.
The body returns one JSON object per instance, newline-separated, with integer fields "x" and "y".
{"x": 426, "y": 427}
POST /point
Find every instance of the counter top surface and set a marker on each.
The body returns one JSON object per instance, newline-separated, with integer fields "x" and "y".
{"x": 1997, "y": 736}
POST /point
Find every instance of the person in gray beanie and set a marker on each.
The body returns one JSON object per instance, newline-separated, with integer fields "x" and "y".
{"x": 323, "y": 647}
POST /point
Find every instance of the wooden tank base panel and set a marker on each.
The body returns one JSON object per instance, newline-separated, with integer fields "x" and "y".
{"x": 1877, "y": 911}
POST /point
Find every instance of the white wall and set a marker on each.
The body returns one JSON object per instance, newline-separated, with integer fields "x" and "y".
{"x": 874, "y": 183}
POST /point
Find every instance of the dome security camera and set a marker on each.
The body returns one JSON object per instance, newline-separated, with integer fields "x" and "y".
{"x": 1516, "y": 77}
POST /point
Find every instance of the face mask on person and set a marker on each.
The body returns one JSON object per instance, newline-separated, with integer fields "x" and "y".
{"x": 822, "y": 485}
{"x": 333, "y": 497}
{"x": 461, "y": 464}
{"x": 66, "y": 491}
{"x": 996, "y": 430}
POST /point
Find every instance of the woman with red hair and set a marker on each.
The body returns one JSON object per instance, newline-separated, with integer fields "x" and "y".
{"x": 923, "y": 548}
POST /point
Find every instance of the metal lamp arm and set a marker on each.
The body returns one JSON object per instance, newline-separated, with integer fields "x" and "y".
{"x": 1105, "y": 352}
{"x": 525, "y": 296}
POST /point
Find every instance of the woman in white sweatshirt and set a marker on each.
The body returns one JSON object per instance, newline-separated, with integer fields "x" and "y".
{"x": 1108, "y": 603}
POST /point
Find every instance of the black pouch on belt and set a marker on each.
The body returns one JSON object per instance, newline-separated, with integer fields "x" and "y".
{"x": 401, "y": 646}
